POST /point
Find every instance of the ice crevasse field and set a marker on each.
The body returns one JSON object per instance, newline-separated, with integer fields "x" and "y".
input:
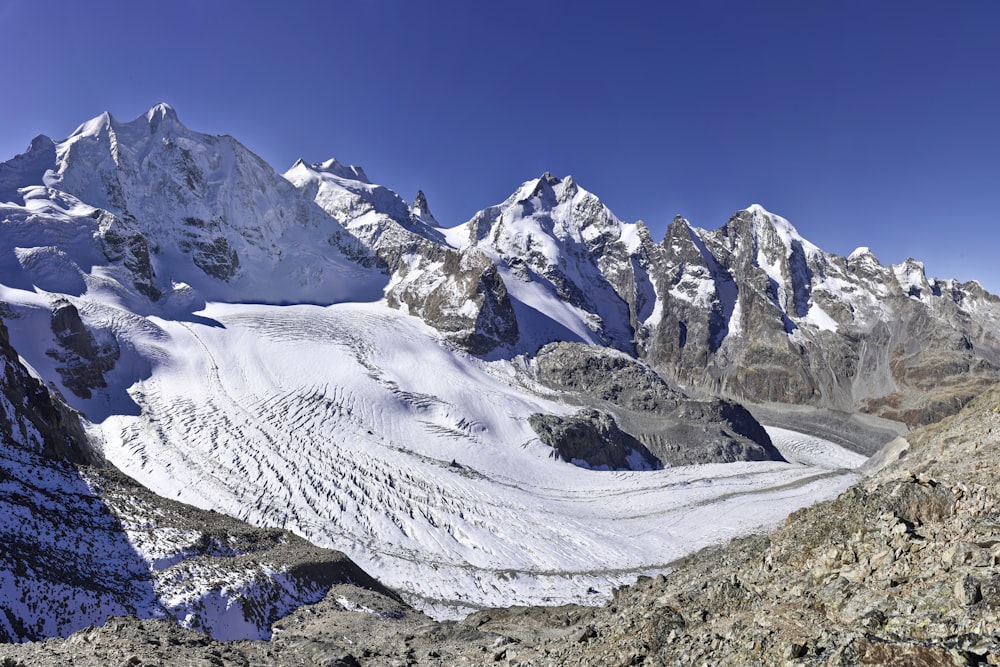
{"x": 353, "y": 426}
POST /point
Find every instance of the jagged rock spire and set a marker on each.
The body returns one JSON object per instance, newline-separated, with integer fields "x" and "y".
{"x": 421, "y": 210}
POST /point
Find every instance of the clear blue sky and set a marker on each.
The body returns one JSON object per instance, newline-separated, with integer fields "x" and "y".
{"x": 863, "y": 122}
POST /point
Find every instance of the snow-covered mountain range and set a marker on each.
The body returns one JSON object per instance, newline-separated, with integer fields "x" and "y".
{"x": 530, "y": 407}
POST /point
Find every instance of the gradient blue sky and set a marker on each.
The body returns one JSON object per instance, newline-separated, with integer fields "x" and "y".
{"x": 863, "y": 122}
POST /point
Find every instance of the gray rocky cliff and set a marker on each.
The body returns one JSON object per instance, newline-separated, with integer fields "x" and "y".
{"x": 754, "y": 312}
{"x": 35, "y": 419}
{"x": 592, "y": 438}
{"x": 83, "y": 360}
{"x": 463, "y": 297}
{"x": 674, "y": 428}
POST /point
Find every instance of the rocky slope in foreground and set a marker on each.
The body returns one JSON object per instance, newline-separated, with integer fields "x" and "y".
{"x": 903, "y": 568}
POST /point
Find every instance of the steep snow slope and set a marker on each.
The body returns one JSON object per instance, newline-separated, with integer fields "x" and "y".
{"x": 374, "y": 213}
{"x": 549, "y": 239}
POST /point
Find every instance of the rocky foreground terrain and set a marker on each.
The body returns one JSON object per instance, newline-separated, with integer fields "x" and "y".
{"x": 902, "y": 569}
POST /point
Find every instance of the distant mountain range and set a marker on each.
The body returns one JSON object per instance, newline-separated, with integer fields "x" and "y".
{"x": 309, "y": 351}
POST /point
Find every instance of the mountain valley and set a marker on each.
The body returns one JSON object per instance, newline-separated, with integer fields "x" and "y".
{"x": 244, "y": 406}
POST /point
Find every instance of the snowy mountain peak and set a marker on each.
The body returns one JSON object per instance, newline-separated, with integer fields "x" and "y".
{"x": 420, "y": 204}
{"x": 178, "y": 206}
{"x": 332, "y": 167}
{"x": 761, "y": 216}
{"x": 93, "y": 127}
{"x": 543, "y": 187}
{"x": 40, "y": 143}
{"x": 548, "y": 188}
{"x": 161, "y": 117}
{"x": 350, "y": 172}
{"x": 161, "y": 112}
{"x": 764, "y": 224}
{"x": 548, "y": 192}
{"x": 26, "y": 169}
{"x": 911, "y": 277}
{"x": 863, "y": 256}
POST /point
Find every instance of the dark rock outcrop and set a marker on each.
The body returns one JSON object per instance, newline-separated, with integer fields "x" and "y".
{"x": 673, "y": 427}
{"x": 83, "y": 359}
{"x": 34, "y": 418}
{"x": 592, "y": 438}
{"x": 120, "y": 242}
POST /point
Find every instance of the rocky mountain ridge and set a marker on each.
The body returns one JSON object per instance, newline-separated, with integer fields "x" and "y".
{"x": 175, "y": 218}
{"x": 750, "y": 311}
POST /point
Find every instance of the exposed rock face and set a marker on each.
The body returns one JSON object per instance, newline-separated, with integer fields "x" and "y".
{"x": 34, "y": 418}
{"x": 422, "y": 211}
{"x": 606, "y": 376}
{"x": 460, "y": 294}
{"x": 754, "y": 311}
{"x": 592, "y": 438}
{"x": 122, "y": 243}
{"x": 210, "y": 251}
{"x": 550, "y": 240}
{"x": 84, "y": 360}
{"x": 675, "y": 429}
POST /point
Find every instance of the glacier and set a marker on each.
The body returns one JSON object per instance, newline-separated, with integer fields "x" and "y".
{"x": 308, "y": 351}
